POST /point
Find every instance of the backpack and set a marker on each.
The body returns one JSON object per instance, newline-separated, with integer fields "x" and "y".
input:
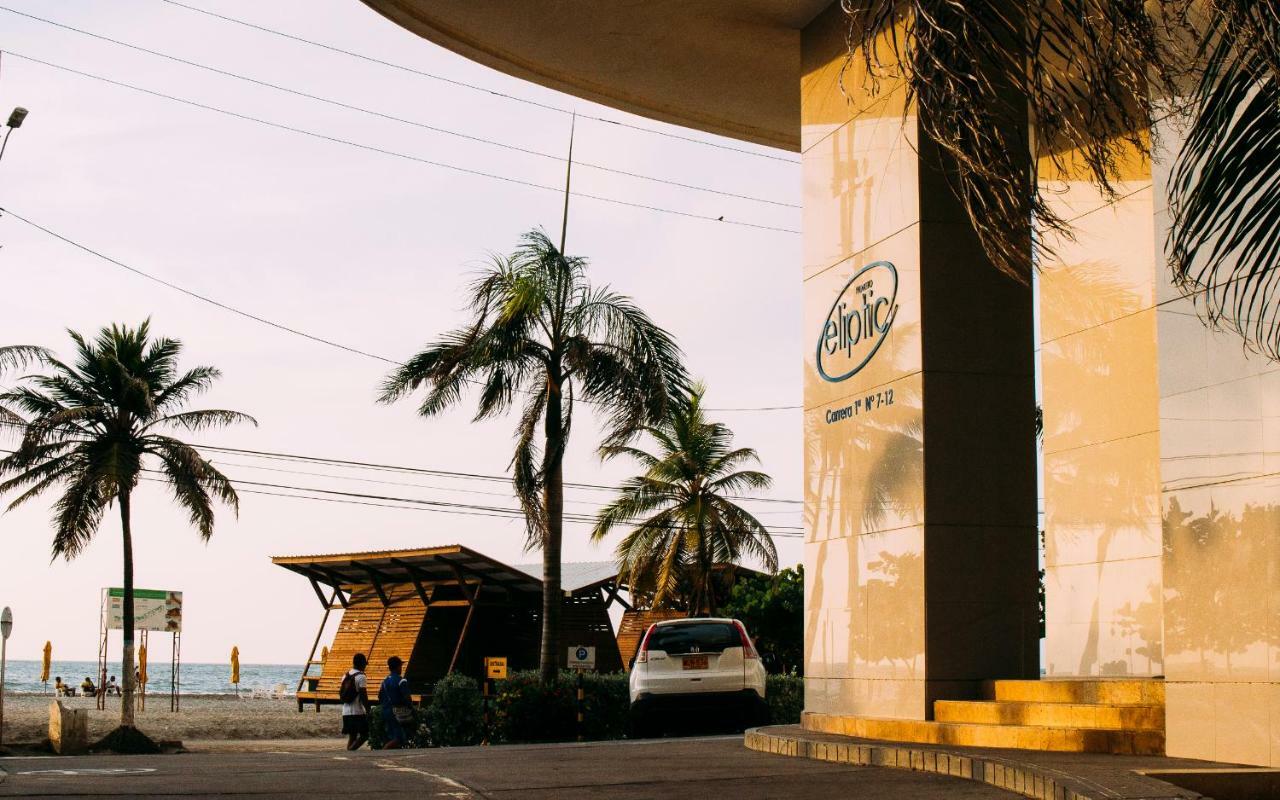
{"x": 349, "y": 692}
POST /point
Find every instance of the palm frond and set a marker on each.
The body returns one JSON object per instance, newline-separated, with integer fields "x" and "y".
{"x": 1224, "y": 241}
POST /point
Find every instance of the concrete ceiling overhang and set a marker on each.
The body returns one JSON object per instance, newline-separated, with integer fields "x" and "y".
{"x": 729, "y": 67}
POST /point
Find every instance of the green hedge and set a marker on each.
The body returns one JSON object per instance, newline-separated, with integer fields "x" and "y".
{"x": 785, "y": 696}
{"x": 523, "y": 710}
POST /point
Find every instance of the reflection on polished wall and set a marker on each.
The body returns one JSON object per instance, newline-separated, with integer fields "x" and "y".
{"x": 919, "y": 468}
{"x": 1161, "y": 456}
{"x": 1101, "y": 427}
{"x": 1220, "y": 518}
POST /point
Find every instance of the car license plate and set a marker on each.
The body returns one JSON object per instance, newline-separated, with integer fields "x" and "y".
{"x": 695, "y": 662}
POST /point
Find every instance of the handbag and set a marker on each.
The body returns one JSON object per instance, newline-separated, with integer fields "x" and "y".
{"x": 403, "y": 714}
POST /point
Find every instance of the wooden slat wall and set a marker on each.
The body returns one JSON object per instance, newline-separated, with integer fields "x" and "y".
{"x": 366, "y": 627}
{"x": 584, "y": 620}
{"x": 632, "y": 628}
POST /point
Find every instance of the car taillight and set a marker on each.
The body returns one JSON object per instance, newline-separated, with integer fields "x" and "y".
{"x": 748, "y": 649}
{"x": 643, "y": 656}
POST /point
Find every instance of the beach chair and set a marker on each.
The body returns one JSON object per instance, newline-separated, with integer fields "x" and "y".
{"x": 258, "y": 693}
{"x": 280, "y": 692}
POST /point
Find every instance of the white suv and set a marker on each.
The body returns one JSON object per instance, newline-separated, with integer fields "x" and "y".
{"x": 685, "y": 664}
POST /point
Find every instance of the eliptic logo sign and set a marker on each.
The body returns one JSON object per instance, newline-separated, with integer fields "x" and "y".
{"x": 858, "y": 322}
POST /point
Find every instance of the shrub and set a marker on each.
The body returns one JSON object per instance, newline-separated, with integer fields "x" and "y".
{"x": 419, "y": 734}
{"x": 785, "y": 697}
{"x": 526, "y": 711}
{"x": 456, "y": 713}
{"x": 606, "y": 706}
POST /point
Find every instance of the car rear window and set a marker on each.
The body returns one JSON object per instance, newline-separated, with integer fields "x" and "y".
{"x": 707, "y": 637}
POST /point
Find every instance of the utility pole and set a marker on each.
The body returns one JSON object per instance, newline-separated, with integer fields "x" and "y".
{"x": 568, "y": 173}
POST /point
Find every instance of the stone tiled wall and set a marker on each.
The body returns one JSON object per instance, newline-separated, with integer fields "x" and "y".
{"x": 1220, "y": 517}
{"x": 1101, "y": 428}
{"x": 920, "y": 540}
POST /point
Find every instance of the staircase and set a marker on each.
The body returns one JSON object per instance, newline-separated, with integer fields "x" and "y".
{"x": 1077, "y": 716}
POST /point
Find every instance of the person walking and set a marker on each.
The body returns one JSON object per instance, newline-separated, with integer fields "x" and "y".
{"x": 354, "y": 695}
{"x": 397, "y": 706}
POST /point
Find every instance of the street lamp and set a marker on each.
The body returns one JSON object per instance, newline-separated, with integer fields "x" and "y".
{"x": 6, "y": 628}
{"x": 15, "y": 121}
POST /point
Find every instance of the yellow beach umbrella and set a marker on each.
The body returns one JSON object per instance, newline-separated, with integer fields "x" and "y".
{"x": 324, "y": 654}
{"x": 235, "y": 667}
{"x": 45, "y": 662}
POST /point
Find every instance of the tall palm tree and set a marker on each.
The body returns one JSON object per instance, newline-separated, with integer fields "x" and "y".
{"x": 685, "y": 520}
{"x": 95, "y": 428}
{"x": 539, "y": 333}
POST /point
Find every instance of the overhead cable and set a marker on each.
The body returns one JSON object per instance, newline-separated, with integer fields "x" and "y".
{"x": 481, "y": 89}
{"x": 392, "y": 117}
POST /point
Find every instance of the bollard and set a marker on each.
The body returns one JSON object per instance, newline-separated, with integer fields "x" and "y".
{"x": 579, "y": 683}
{"x": 484, "y": 704}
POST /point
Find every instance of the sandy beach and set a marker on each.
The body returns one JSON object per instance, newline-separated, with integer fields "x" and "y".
{"x": 26, "y": 718}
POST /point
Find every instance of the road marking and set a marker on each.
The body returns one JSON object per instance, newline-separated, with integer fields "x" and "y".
{"x": 457, "y": 790}
{"x": 87, "y": 771}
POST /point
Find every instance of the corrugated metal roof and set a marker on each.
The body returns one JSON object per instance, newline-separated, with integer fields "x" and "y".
{"x": 575, "y": 575}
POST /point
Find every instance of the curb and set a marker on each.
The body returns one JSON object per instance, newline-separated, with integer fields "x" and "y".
{"x": 1027, "y": 780}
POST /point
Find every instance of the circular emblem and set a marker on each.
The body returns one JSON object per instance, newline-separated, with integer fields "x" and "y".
{"x": 858, "y": 322}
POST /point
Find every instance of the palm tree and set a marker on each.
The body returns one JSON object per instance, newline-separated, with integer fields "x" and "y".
{"x": 682, "y": 507}
{"x": 539, "y": 335}
{"x": 1091, "y": 78}
{"x": 92, "y": 426}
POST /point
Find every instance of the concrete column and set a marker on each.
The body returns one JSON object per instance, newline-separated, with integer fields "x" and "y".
{"x": 920, "y": 509}
{"x": 1103, "y": 590}
{"x": 1219, "y": 409}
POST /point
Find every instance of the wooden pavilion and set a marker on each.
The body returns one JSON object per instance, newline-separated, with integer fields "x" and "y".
{"x": 445, "y": 609}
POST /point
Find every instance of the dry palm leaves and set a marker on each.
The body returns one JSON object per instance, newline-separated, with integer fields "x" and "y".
{"x": 1082, "y": 74}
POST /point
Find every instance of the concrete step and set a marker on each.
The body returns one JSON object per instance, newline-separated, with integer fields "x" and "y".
{"x": 1134, "y": 692}
{"x": 1052, "y": 715}
{"x": 965, "y": 734}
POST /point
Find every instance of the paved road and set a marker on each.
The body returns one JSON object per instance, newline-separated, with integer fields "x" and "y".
{"x": 669, "y": 769}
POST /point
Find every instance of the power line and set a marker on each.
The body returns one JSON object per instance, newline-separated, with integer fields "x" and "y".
{"x": 413, "y": 503}
{"x": 271, "y": 455}
{"x": 206, "y": 299}
{"x": 392, "y": 117}
{"x": 394, "y": 153}
{"x": 451, "y": 474}
{"x": 473, "y": 87}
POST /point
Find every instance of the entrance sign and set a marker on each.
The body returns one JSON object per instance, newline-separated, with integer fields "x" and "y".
{"x": 858, "y": 322}
{"x": 582, "y": 657}
{"x": 153, "y": 610}
{"x": 495, "y": 667}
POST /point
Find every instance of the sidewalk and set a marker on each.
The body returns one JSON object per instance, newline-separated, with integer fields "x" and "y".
{"x": 1035, "y": 774}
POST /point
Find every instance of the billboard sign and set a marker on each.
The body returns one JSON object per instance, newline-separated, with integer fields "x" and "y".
{"x": 153, "y": 610}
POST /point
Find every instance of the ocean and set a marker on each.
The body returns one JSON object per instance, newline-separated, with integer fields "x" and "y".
{"x": 24, "y": 676}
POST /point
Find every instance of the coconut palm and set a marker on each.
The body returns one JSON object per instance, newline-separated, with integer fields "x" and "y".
{"x": 95, "y": 427}
{"x": 540, "y": 335}
{"x": 18, "y": 356}
{"x": 1091, "y": 78}
{"x": 682, "y": 508}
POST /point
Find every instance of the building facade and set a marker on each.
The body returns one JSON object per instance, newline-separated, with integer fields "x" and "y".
{"x": 1161, "y": 443}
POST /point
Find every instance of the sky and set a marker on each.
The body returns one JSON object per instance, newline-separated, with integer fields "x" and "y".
{"x": 358, "y": 247}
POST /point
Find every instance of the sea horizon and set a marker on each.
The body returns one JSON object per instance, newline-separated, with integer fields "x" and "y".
{"x": 22, "y": 676}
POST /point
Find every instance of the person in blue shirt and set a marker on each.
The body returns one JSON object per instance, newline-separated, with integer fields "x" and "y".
{"x": 397, "y": 707}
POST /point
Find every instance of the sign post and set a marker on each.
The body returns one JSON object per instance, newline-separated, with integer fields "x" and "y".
{"x": 153, "y": 610}
{"x": 495, "y": 669}
{"x": 581, "y": 659}
{"x": 6, "y": 628}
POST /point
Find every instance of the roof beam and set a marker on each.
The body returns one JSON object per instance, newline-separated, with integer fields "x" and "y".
{"x": 416, "y": 576}
{"x": 317, "y": 574}
{"x": 611, "y": 590}
{"x": 376, "y": 578}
